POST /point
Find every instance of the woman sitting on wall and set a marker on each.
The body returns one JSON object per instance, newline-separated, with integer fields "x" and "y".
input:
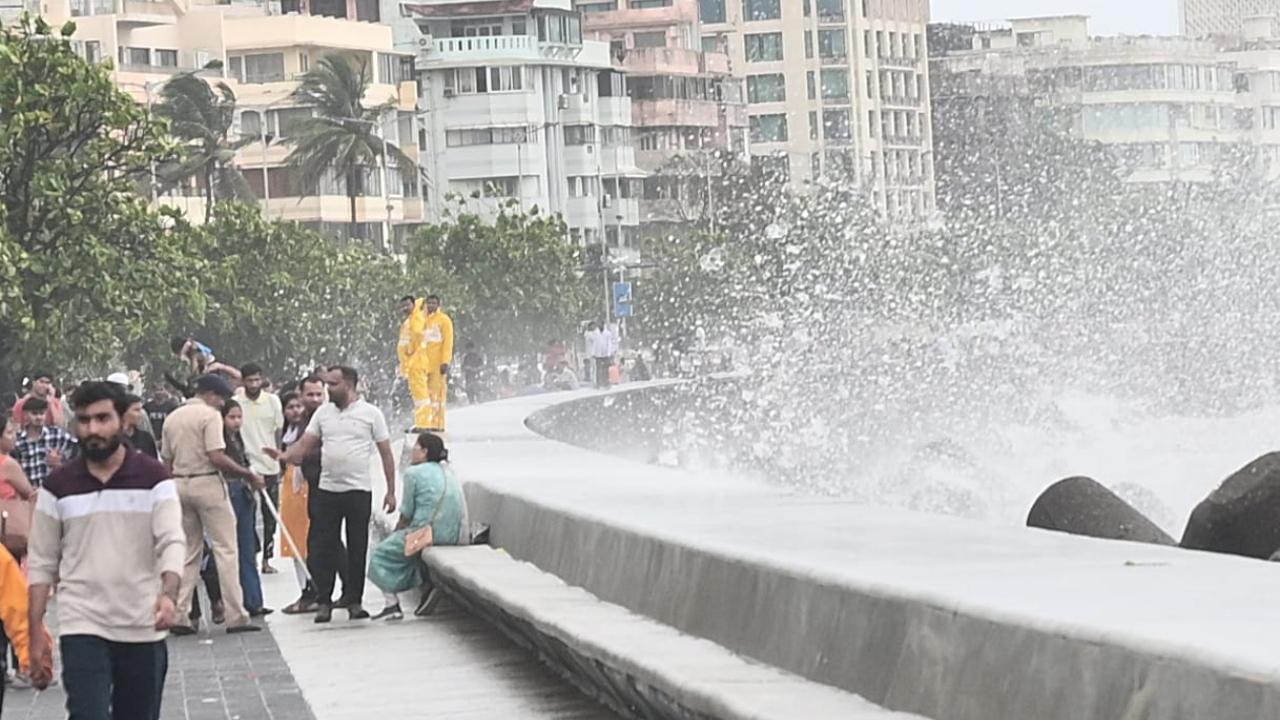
{"x": 432, "y": 497}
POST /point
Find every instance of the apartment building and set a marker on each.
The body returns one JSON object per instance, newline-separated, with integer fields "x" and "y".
{"x": 260, "y": 50}
{"x": 1223, "y": 18}
{"x": 836, "y": 89}
{"x": 1165, "y": 105}
{"x": 687, "y": 105}
{"x": 520, "y": 105}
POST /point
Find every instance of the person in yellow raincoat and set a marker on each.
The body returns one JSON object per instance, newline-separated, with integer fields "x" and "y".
{"x": 437, "y": 352}
{"x": 413, "y": 360}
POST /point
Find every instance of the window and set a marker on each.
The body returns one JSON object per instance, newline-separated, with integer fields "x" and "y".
{"x": 559, "y": 27}
{"x": 615, "y": 136}
{"x": 835, "y": 84}
{"x": 808, "y": 45}
{"x": 477, "y": 80}
{"x": 595, "y": 7}
{"x": 766, "y": 88}
{"x": 266, "y": 67}
{"x": 836, "y": 125}
{"x": 579, "y": 134}
{"x": 649, "y": 39}
{"x": 289, "y": 120}
{"x": 93, "y": 51}
{"x": 643, "y": 4}
{"x": 386, "y": 68}
{"x": 812, "y": 84}
{"x": 710, "y": 43}
{"x": 167, "y": 58}
{"x": 583, "y": 186}
{"x": 761, "y": 9}
{"x": 250, "y": 124}
{"x": 769, "y": 128}
{"x": 501, "y": 186}
{"x": 712, "y": 10}
{"x": 764, "y": 47}
{"x": 813, "y": 125}
{"x": 304, "y": 62}
{"x": 487, "y": 136}
{"x": 135, "y": 56}
{"x": 832, "y": 44}
{"x": 831, "y": 9}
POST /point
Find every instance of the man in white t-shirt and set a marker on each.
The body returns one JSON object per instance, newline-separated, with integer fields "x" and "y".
{"x": 262, "y": 428}
{"x": 349, "y": 432}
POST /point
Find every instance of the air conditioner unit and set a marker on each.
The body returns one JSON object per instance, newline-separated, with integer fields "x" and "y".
{"x": 424, "y": 41}
{"x": 563, "y": 102}
{"x": 449, "y": 92}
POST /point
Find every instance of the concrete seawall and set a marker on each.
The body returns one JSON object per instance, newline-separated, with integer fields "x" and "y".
{"x": 946, "y": 618}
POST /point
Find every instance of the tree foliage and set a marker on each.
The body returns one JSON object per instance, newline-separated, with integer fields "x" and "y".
{"x": 512, "y": 284}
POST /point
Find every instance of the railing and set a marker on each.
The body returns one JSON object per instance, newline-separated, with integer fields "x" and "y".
{"x": 900, "y": 100}
{"x": 899, "y": 62}
{"x": 481, "y": 44}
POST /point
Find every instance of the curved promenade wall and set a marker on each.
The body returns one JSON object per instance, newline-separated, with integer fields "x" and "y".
{"x": 946, "y": 618}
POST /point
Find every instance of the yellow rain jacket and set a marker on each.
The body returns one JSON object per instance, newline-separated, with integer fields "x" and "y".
{"x": 437, "y": 341}
{"x": 408, "y": 350}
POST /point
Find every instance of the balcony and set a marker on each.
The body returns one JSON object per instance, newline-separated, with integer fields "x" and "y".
{"x": 670, "y": 111}
{"x": 287, "y": 31}
{"x": 899, "y": 62}
{"x": 901, "y": 101}
{"x": 673, "y": 61}
{"x": 462, "y": 51}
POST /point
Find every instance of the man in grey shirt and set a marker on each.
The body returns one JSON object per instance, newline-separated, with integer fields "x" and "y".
{"x": 349, "y": 431}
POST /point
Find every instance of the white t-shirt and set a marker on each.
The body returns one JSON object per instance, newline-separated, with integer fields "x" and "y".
{"x": 350, "y": 438}
{"x": 599, "y": 344}
{"x": 263, "y": 418}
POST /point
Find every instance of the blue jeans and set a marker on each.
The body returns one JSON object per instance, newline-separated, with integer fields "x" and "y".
{"x": 106, "y": 679}
{"x": 246, "y": 540}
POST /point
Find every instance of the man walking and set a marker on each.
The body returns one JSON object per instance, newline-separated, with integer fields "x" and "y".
{"x": 194, "y": 448}
{"x": 41, "y": 448}
{"x": 349, "y": 431}
{"x": 437, "y": 343}
{"x": 413, "y": 360}
{"x": 42, "y": 388}
{"x": 263, "y": 426}
{"x": 108, "y": 530}
{"x": 600, "y": 348}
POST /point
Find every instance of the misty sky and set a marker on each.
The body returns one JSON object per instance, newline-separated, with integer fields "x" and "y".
{"x": 1107, "y": 17}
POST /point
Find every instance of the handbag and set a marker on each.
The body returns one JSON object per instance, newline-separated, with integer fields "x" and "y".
{"x": 424, "y": 537}
{"x": 15, "y": 525}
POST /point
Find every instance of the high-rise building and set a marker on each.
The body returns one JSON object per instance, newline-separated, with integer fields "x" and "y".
{"x": 835, "y": 88}
{"x": 1166, "y": 106}
{"x": 520, "y": 107}
{"x": 1202, "y": 18}
{"x": 260, "y": 50}
{"x": 686, "y": 103}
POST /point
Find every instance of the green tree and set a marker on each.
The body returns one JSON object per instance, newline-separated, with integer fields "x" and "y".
{"x": 512, "y": 284}
{"x": 288, "y": 298}
{"x": 87, "y": 266}
{"x": 343, "y": 138}
{"x": 201, "y": 117}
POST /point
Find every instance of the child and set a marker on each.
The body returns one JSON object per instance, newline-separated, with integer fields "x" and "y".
{"x": 13, "y": 613}
{"x": 200, "y": 359}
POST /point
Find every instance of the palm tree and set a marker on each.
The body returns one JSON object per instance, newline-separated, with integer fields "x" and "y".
{"x": 343, "y": 136}
{"x": 202, "y": 116}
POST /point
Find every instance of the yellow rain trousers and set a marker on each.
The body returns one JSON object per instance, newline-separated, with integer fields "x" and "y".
{"x": 413, "y": 363}
{"x": 437, "y": 350}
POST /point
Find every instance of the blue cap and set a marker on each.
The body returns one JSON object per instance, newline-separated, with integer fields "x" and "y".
{"x": 214, "y": 384}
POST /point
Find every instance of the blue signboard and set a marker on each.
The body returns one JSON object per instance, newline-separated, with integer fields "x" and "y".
{"x": 622, "y": 304}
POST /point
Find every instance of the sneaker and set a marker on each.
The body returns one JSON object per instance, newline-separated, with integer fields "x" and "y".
{"x": 20, "y": 681}
{"x": 429, "y": 603}
{"x": 324, "y": 613}
{"x": 182, "y": 630}
{"x": 245, "y": 628}
{"x": 390, "y": 612}
{"x": 356, "y": 612}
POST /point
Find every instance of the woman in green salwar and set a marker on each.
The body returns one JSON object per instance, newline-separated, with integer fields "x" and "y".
{"x": 431, "y": 496}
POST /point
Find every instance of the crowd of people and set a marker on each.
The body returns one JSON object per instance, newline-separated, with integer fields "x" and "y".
{"x": 138, "y": 501}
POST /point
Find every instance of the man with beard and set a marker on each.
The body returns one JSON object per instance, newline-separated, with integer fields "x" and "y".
{"x": 194, "y": 448}
{"x": 349, "y": 431}
{"x": 108, "y": 530}
{"x": 312, "y": 392}
{"x": 263, "y": 426}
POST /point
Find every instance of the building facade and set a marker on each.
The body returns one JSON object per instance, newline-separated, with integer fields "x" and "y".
{"x": 1166, "y": 106}
{"x": 260, "y": 50}
{"x": 687, "y": 105}
{"x": 521, "y": 109}
{"x": 835, "y": 89}
{"x": 1203, "y": 18}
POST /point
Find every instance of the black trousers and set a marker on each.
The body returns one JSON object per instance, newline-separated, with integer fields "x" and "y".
{"x": 272, "y": 491}
{"x": 330, "y": 513}
{"x": 602, "y": 371}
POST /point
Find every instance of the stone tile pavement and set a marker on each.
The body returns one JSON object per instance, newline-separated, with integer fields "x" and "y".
{"x": 222, "y": 677}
